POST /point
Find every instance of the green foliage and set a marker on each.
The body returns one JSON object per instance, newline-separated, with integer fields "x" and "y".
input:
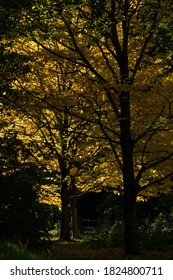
{"x": 110, "y": 228}
{"x": 17, "y": 251}
{"x": 12, "y": 64}
{"x": 11, "y": 149}
{"x": 97, "y": 7}
{"x": 9, "y": 15}
{"x": 158, "y": 234}
{"x": 110, "y": 234}
{"x": 11, "y": 251}
{"x": 22, "y": 216}
{"x": 155, "y": 218}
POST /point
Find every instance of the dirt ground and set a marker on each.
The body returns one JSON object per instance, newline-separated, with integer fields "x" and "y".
{"x": 83, "y": 251}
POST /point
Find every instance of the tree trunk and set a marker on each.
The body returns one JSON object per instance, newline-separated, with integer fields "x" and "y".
{"x": 65, "y": 231}
{"x": 74, "y": 217}
{"x": 73, "y": 205}
{"x": 130, "y": 219}
{"x": 130, "y": 216}
{"x": 64, "y": 234}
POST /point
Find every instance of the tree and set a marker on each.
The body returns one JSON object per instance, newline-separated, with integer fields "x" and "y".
{"x": 62, "y": 142}
{"x": 115, "y": 46}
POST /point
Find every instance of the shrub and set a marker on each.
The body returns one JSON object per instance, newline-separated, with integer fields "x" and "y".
{"x": 22, "y": 216}
{"x": 158, "y": 233}
{"x": 110, "y": 234}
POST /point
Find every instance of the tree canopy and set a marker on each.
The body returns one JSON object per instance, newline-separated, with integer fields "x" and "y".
{"x": 101, "y": 72}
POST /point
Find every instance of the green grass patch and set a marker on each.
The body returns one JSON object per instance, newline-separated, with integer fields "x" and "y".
{"x": 12, "y": 251}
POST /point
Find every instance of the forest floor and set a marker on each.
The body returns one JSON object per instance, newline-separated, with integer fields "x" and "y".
{"x": 78, "y": 250}
{"x": 82, "y": 250}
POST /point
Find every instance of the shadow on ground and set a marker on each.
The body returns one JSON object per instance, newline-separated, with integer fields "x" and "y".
{"x": 82, "y": 250}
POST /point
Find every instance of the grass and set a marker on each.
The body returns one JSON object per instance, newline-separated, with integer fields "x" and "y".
{"x": 78, "y": 250}
{"x": 12, "y": 251}
{"x": 156, "y": 244}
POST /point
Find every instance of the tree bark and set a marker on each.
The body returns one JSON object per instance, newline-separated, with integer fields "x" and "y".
{"x": 65, "y": 230}
{"x": 74, "y": 217}
{"x": 130, "y": 220}
{"x": 130, "y": 215}
{"x": 73, "y": 206}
